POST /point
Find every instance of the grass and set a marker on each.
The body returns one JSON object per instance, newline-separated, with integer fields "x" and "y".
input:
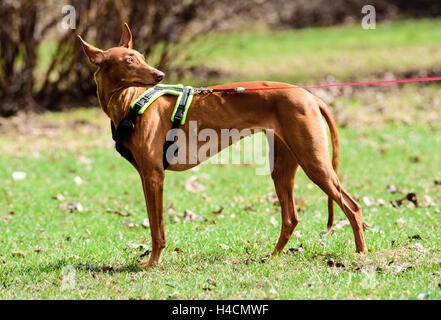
{"x": 389, "y": 136}
{"x": 312, "y": 54}
{"x": 94, "y": 248}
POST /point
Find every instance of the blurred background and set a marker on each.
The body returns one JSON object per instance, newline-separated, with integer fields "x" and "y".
{"x": 68, "y": 200}
{"x": 42, "y": 66}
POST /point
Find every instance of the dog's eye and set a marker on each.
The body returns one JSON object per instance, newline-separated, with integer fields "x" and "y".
{"x": 129, "y": 60}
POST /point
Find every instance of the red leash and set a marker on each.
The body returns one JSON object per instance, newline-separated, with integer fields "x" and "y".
{"x": 241, "y": 89}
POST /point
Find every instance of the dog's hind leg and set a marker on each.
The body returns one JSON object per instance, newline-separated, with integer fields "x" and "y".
{"x": 308, "y": 141}
{"x": 283, "y": 174}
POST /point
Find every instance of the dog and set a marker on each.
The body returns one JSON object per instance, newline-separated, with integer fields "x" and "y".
{"x": 297, "y": 118}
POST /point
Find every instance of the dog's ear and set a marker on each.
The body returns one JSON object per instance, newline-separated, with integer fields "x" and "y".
{"x": 96, "y": 56}
{"x": 126, "y": 37}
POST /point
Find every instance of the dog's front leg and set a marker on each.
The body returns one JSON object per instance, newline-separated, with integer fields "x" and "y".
{"x": 153, "y": 182}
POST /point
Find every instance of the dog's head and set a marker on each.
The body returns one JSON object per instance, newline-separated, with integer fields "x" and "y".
{"x": 123, "y": 65}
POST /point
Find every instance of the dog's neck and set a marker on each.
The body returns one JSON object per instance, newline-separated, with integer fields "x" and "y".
{"x": 115, "y": 100}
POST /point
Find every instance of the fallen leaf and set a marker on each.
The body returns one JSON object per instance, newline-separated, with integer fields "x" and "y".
{"x": 415, "y": 237}
{"x": 397, "y": 203}
{"x": 72, "y": 206}
{"x": 380, "y": 202}
{"x": 19, "y": 175}
{"x": 18, "y": 253}
{"x": 129, "y": 224}
{"x": 412, "y": 197}
{"x": 414, "y": 159}
{"x": 342, "y": 223}
{"x": 106, "y": 268}
{"x": 145, "y": 223}
{"x": 400, "y": 222}
{"x": 78, "y": 180}
{"x": 218, "y": 211}
{"x": 177, "y": 250}
{"x": 134, "y": 245}
{"x": 145, "y": 254}
{"x": 299, "y": 249}
{"x": 437, "y": 182}
{"x": 192, "y": 185}
{"x": 419, "y": 247}
{"x": 211, "y": 282}
{"x": 330, "y": 263}
{"x": 300, "y": 202}
{"x": 392, "y": 189}
{"x": 224, "y": 246}
{"x": 270, "y": 197}
{"x": 367, "y": 201}
{"x": 428, "y": 201}
{"x": 58, "y": 197}
{"x": 119, "y": 213}
{"x": 190, "y": 215}
{"x": 333, "y": 263}
{"x": 422, "y": 296}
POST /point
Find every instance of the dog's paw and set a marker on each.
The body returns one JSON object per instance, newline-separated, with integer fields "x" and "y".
{"x": 147, "y": 264}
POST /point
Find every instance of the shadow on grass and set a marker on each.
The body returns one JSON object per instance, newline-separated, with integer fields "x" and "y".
{"x": 96, "y": 268}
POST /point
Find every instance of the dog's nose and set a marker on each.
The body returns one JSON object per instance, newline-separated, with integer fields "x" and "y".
{"x": 159, "y": 76}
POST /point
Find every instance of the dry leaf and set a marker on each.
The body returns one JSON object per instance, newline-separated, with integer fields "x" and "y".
{"x": 190, "y": 215}
{"x": 192, "y": 185}
{"x": 129, "y": 224}
{"x": 367, "y": 201}
{"x": 224, "y": 246}
{"x": 211, "y": 282}
{"x": 218, "y": 211}
{"x": 134, "y": 245}
{"x": 58, "y": 197}
{"x": 342, "y": 223}
{"x": 273, "y": 221}
{"x": 419, "y": 247}
{"x": 392, "y": 189}
{"x": 400, "y": 222}
{"x": 18, "y": 253}
{"x": 78, "y": 180}
{"x": 428, "y": 201}
{"x": 19, "y": 175}
{"x": 145, "y": 223}
{"x": 72, "y": 206}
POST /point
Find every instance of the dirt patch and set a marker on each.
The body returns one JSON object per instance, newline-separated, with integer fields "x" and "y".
{"x": 29, "y": 132}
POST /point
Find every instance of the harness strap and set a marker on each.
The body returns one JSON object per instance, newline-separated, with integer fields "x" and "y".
{"x": 170, "y": 147}
{"x": 127, "y": 124}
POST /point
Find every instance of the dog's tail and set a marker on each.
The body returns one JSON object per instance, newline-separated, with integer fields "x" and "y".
{"x": 326, "y": 113}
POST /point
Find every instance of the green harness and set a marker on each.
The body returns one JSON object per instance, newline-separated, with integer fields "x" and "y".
{"x": 184, "y": 94}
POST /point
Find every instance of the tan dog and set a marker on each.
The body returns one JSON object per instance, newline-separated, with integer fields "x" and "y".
{"x": 295, "y": 116}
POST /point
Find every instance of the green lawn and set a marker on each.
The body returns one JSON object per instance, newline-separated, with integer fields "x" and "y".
{"x": 89, "y": 254}
{"x": 389, "y": 136}
{"x": 308, "y": 55}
